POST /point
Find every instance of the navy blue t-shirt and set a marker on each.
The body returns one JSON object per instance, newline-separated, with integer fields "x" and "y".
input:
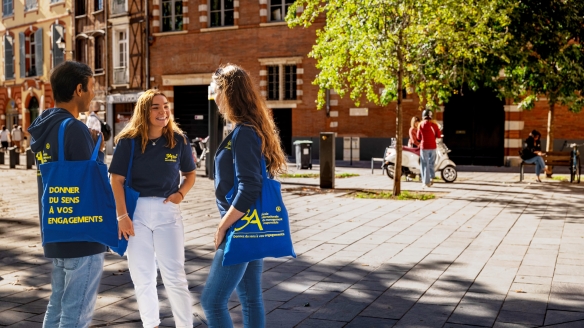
{"x": 155, "y": 173}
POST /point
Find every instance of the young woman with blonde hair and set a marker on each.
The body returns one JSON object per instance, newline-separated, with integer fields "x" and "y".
{"x": 240, "y": 102}
{"x": 156, "y": 235}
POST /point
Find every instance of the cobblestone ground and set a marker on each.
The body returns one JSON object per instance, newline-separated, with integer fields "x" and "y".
{"x": 489, "y": 252}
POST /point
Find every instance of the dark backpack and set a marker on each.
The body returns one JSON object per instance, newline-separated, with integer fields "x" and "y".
{"x": 106, "y": 130}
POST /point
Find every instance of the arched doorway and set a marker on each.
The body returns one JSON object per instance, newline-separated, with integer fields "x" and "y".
{"x": 33, "y": 109}
{"x": 11, "y": 115}
{"x": 474, "y": 128}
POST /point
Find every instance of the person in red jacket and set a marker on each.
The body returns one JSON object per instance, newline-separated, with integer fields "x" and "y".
{"x": 428, "y": 131}
{"x": 413, "y": 142}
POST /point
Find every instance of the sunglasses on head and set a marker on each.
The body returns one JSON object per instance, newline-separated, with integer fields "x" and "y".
{"x": 219, "y": 71}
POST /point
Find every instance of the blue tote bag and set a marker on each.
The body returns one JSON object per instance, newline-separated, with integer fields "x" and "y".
{"x": 78, "y": 202}
{"x": 264, "y": 231}
{"x": 131, "y": 197}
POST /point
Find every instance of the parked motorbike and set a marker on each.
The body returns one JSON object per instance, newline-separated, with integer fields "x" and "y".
{"x": 200, "y": 150}
{"x": 411, "y": 162}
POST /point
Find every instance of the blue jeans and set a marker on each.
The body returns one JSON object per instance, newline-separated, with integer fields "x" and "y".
{"x": 427, "y": 161}
{"x": 246, "y": 280}
{"x": 74, "y": 284}
{"x": 539, "y": 164}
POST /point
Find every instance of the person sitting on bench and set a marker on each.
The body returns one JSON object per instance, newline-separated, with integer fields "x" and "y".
{"x": 531, "y": 153}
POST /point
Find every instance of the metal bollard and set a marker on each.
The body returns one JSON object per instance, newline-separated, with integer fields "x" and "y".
{"x": 29, "y": 158}
{"x": 2, "y": 154}
{"x": 14, "y": 160}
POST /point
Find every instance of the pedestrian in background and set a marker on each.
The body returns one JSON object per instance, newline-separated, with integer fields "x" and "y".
{"x": 156, "y": 235}
{"x": 5, "y": 138}
{"x": 16, "y": 135}
{"x": 428, "y": 131}
{"x": 239, "y": 101}
{"x": 414, "y": 142}
{"x": 532, "y": 154}
{"x": 77, "y": 266}
{"x": 93, "y": 122}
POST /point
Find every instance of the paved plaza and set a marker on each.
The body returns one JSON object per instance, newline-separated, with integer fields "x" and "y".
{"x": 488, "y": 252}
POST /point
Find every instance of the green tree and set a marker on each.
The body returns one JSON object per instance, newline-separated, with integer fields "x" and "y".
{"x": 400, "y": 44}
{"x": 546, "y": 56}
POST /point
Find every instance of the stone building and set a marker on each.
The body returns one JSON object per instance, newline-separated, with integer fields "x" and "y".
{"x": 35, "y": 36}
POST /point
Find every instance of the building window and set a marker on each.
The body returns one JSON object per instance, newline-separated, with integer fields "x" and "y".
{"x": 99, "y": 53}
{"x": 281, "y": 86}
{"x": 118, "y": 7}
{"x": 120, "y": 57}
{"x": 81, "y": 50}
{"x": 289, "y": 82}
{"x": 97, "y": 5}
{"x": 80, "y": 7}
{"x": 8, "y": 57}
{"x": 32, "y": 56}
{"x": 31, "y": 5}
{"x": 7, "y": 8}
{"x": 279, "y": 9}
{"x": 58, "y": 40}
{"x": 31, "y": 53}
{"x": 172, "y": 15}
{"x": 221, "y": 13}
{"x": 273, "y": 83}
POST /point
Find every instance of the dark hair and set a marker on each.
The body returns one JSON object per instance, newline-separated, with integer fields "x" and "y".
{"x": 66, "y": 77}
{"x": 535, "y": 133}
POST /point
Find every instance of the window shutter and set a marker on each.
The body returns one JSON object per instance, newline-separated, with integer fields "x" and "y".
{"x": 58, "y": 54}
{"x": 8, "y": 58}
{"x": 38, "y": 37}
{"x": 22, "y": 62}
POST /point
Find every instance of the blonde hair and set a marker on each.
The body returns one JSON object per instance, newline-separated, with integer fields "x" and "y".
{"x": 245, "y": 106}
{"x": 139, "y": 123}
{"x": 415, "y": 120}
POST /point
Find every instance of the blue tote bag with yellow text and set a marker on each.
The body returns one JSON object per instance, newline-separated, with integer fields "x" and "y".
{"x": 264, "y": 231}
{"x": 78, "y": 202}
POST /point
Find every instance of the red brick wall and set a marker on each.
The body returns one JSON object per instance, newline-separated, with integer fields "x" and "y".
{"x": 568, "y": 125}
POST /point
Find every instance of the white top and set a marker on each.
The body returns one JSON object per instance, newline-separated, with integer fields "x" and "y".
{"x": 16, "y": 134}
{"x": 4, "y": 135}
{"x": 93, "y": 122}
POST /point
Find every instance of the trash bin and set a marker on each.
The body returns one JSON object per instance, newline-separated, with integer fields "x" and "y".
{"x": 303, "y": 154}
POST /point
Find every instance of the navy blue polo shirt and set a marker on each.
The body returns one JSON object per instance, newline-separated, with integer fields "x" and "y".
{"x": 155, "y": 173}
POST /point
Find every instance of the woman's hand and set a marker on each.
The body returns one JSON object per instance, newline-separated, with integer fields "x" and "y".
{"x": 219, "y": 236}
{"x": 175, "y": 198}
{"x": 125, "y": 228}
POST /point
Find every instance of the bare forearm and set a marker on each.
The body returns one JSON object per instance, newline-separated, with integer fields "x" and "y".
{"x": 188, "y": 182}
{"x": 230, "y": 218}
{"x": 119, "y": 195}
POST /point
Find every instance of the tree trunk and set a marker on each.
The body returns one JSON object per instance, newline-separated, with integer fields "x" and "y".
{"x": 399, "y": 127}
{"x": 549, "y": 147}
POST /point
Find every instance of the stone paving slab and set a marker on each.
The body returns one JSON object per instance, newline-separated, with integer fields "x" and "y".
{"x": 488, "y": 252}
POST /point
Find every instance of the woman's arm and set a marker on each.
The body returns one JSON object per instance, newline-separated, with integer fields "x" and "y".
{"x": 180, "y": 195}
{"x": 413, "y": 136}
{"x": 125, "y": 226}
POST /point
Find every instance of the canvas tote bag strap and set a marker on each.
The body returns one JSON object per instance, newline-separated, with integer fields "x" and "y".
{"x": 62, "y": 143}
{"x": 129, "y": 174}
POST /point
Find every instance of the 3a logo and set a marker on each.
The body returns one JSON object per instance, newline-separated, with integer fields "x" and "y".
{"x": 253, "y": 218}
{"x": 170, "y": 158}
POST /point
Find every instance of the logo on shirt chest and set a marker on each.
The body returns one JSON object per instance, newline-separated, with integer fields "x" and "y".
{"x": 171, "y": 158}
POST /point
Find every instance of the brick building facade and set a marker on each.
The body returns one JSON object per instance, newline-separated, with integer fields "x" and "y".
{"x": 35, "y": 36}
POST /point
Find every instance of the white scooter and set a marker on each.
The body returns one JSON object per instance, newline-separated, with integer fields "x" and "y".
{"x": 411, "y": 162}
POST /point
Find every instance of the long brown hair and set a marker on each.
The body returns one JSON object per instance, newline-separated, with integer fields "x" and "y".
{"x": 415, "y": 120}
{"x": 138, "y": 125}
{"x": 245, "y": 106}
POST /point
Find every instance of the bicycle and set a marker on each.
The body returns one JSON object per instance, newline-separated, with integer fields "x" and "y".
{"x": 575, "y": 165}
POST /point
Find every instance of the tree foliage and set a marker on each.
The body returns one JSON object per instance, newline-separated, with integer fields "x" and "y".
{"x": 421, "y": 45}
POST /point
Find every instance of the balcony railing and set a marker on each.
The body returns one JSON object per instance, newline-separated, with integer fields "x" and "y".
{"x": 119, "y": 7}
{"x": 120, "y": 75}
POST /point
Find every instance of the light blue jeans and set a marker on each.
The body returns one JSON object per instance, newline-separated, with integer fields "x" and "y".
{"x": 539, "y": 164}
{"x": 74, "y": 284}
{"x": 427, "y": 161}
{"x": 246, "y": 280}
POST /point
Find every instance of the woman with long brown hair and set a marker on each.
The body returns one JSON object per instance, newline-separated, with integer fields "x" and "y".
{"x": 160, "y": 155}
{"x": 240, "y": 102}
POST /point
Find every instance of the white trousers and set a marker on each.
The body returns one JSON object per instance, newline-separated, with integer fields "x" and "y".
{"x": 159, "y": 237}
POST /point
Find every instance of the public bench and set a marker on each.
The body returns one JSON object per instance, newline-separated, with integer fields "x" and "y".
{"x": 552, "y": 158}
